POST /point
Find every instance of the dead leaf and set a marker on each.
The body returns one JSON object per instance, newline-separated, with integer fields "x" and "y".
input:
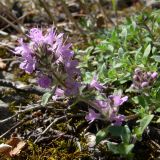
{"x": 17, "y": 145}
{"x": 13, "y": 141}
{"x": 12, "y": 147}
{"x": 17, "y": 149}
{"x": 5, "y": 148}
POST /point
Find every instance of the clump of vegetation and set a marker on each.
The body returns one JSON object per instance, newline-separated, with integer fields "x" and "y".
{"x": 102, "y": 101}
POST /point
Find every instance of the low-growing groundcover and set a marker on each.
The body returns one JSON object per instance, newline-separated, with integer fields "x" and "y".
{"x": 103, "y": 102}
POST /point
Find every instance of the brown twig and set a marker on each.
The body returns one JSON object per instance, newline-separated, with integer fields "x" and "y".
{"x": 56, "y": 120}
{"x": 14, "y": 127}
{"x": 27, "y": 88}
{"x": 8, "y": 119}
{"x": 18, "y": 19}
{"x": 18, "y": 29}
{"x": 19, "y": 112}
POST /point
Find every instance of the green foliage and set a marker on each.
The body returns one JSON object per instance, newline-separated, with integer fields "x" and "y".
{"x": 101, "y": 135}
{"x": 45, "y": 98}
{"x": 124, "y": 148}
{"x": 117, "y": 52}
{"x": 114, "y": 54}
{"x": 144, "y": 122}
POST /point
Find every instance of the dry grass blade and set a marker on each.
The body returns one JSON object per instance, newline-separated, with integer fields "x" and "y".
{"x": 18, "y": 29}
{"x": 69, "y": 15}
{"x": 46, "y": 8}
{"x": 8, "y": 17}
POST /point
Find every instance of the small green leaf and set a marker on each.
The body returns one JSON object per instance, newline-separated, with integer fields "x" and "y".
{"x": 122, "y": 131}
{"x": 126, "y": 134}
{"x": 110, "y": 48}
{"x": 101, "y": 135}
{"x": 118, "y": 65}
{"x": 124, "y": 32}
{"x": 156, "y": 58}
{"x": 120, "y": 51}
{"x": 142, "y": 101}
{"x": 116, "y": 130}
{"x": 147, "y": 51}
{"x": 45, "y": 98}
{"x": 123, "y": 149}
{"x": 113, "y": 147}
{"x": 158, "y": 110}
{"x": 158, "y": 120}
{"x": 126, "y": 148}
{"x": 144, "y": 122}
{"x": 102, "y": 71}
{"x": 138, "y": 53}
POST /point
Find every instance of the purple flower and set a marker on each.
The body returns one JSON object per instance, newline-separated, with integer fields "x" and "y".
{"x": 138, "y": 71}
{"x": 117, "y": 119}
{"x": 59, "y": 38}
{"x": 58, "y": 55}
{"x": 28, "y": 60}
{"x": 23, "y": 49}
{"x": 136, "y": 78}
{"x": 36, "y": 35}
{"x": 50, "y": 37}
{"x": 28, "y": 65}
{"x": 95, "y": 84}
{"x": 72, "y": 87}
{"x": 117, "y": 100}
{"x": 143, "y": 79}
{"x": 101, "y": 104}
{"x": 44, "y": 81}
{"x": 58, "y": 93}
{"x": 71, "y": 69}
{"x": 154, "y": 75}
{"x": 92, "y": 115}
{"x": 64, "y": 52}
{"x": 144, "y": 84}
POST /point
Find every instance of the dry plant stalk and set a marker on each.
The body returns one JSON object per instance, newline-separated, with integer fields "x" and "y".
{"x": 8, "y": 17}
{"x": 46, "y": 8}
{"x": 69, "y": 15}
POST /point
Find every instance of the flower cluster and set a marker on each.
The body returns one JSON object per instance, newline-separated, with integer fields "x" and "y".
{"x": 107, "y": 109}
{"x": 95, "y": 84}
{"x": 51, "y": 59}
{"x": 53, "y": 63}
{"x": 142, "y": 79}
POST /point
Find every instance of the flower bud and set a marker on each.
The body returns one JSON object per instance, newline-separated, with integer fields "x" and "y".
{"x": 137, "y": 71}
{"x": 133, "y": 86}
{"x": 44, "y": 81}
{"x": 154, "y": 75}
{"x": 144, "y": 84}
{"x": 149, "y": 74}
{"x": 136, "y": 78}
{"x": 146, "y": 76}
